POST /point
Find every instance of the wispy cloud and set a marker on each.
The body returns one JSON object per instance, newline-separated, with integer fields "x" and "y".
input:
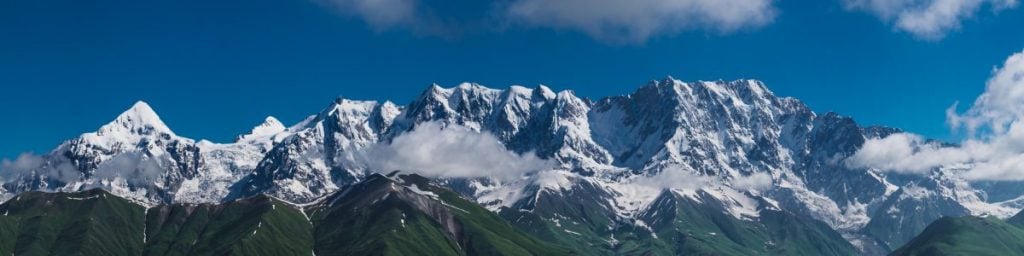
{"x": 926, "y": 19}
{"x": 618, "y": 21}
{"x": 756, "y": 181}
{"x": 905, "y": 153}
{"x": 994, "y": 149}
{"x": 30, "y": 166}
{"x": 380, "y": 14}
{"x": 434, "y": 150}
{"x": 637, "y": 21}
{"x": 136, "y": 169}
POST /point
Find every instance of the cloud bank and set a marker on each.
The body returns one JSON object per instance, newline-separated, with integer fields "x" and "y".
{"x": 30, "y": 166}
{"x": 435, "y": 150}
{"x": 926, "y": 19}
{"x": 994, "y": 149}
{"x": 606, "y": 20}
{"x": 136, "y": 169}
{"x": 905, "y": 153}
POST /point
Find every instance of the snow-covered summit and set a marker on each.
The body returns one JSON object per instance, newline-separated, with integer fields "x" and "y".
{"x": 139, "y": 157}
{"x": 140, "y": 119}
{"x": 270, "y": 127}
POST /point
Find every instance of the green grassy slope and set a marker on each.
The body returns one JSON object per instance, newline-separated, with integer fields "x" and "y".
{"x": 384, "y": 217}
{"x": 398, "y": 215}
{"x": 253, "y": 226}
{"x": 695, "y": 228}
{"x": 85, "y": 223}
{"x": 684, "y": 226}
{"x": 967, "y": 236}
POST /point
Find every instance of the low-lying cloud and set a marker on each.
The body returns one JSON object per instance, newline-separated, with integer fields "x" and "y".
{"x": 926, "y": 19}
{"x": 435, "y": 150}
{"x": 31, "y": 166}
{"x": 135, "y": 168}
{"x": 994, "y": 124}
{"x": 905, "y": 153}
{"x": 755, "y": 181}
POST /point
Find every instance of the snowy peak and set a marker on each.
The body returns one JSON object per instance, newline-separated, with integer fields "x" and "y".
{"x": 140, "y": 119}
{"x": 270, "y": 127}
{"x": 345, "y": 114}
{"x": 543, "y": 91}
{"x": 137, "y": 129}
{"x": 742, "y": 91}
{"x": 343, "y": 109}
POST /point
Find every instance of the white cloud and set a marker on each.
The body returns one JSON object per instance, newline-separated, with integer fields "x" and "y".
{"x": 606, "y": 20}
{"x": 756, "y": 181}
{"x": 926, "y": 19}
{"x": 380, "y": 14}
{"x": 994, "y": 149}
{"x": 1002, "y": 103}
{"x": 675, "y": 177}
{"x": 434, "y": 150}
{"x": 636, "y": 21}
{"x": 28, "y": 165}
{"x": 905, "y": 153}
{"x": 136, "y": 169}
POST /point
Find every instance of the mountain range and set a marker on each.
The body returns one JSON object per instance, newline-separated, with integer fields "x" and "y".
{"x": 709, "y": 167}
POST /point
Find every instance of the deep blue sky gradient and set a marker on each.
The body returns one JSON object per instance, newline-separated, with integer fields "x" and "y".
{"x": 214, "y": 69}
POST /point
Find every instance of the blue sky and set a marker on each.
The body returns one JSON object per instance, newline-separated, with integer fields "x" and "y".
{"x": 214, "y": 69}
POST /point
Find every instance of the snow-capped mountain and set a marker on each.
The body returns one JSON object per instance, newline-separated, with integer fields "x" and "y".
{"x": 319, "y": 156}
{"x": 620, "y": 163}
{"x": 138, "y": 157}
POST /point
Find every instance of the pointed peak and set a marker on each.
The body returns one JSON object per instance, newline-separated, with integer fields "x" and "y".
{"x": 434, "y": 91}
{"x": 388, "y": 109}
{"x": 435, "y": 87}
{"x": 340, "y": 100}
{"x": 544, "y": 91}
{"x": 344, "y": 108}
{"x": 388, "y": 104}
{"x": 567, "y": 94}
{"x": 271, "y": 119}
{"x": 143, "y": 110}
{"x": 141, "y": 106}
{"x": 437, "y": 93}
{"x": 269, "y": 127}
{"x": 139, "y": 119}
{"x": 467, "y": 88}
{"x": 667, "y": 82}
